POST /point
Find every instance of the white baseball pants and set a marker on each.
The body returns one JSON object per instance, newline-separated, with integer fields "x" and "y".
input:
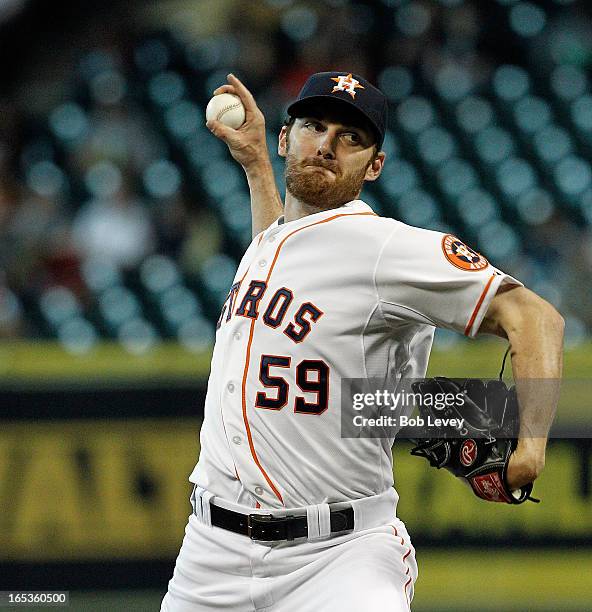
{"x": 372, "y": 568}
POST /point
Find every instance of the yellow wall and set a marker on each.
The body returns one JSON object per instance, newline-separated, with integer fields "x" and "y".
{"x": 73, "y": 490}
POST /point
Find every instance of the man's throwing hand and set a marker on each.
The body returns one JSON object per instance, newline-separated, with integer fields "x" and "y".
{"x": 247, "y": 144}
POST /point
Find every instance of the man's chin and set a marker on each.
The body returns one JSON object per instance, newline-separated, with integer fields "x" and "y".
{"x": 315, "y": 178}
{"x": 322, "y": 197}
{"x": 319, "y": 187}
{"x": 312, "y": 197}
{"x": 311, "y": 184}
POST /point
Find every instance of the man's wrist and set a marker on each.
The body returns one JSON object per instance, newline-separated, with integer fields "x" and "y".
{"x": 531, "y": 452}
{"x": 258, "y": 167}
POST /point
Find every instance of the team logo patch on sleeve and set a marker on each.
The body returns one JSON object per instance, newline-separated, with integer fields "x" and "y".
{"x": 461, "y": 255}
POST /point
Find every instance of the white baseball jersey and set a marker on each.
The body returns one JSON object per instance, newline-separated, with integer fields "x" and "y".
{"x": 338, "y": 294}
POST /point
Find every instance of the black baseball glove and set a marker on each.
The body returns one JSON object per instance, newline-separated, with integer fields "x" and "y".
{"x": 478, "y": 448}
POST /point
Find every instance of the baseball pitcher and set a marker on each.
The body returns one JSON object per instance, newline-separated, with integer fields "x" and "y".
{"x": 289, "y": 515}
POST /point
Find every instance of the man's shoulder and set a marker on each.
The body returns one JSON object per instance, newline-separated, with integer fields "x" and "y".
{"x": 392, "y": 227}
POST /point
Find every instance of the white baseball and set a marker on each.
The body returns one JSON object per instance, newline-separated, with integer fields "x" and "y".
{"x": 226, "y": 108}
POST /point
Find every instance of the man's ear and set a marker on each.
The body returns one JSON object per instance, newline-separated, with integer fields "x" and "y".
{"x": 375, "y": 168}
{"x": 283, "y": 142}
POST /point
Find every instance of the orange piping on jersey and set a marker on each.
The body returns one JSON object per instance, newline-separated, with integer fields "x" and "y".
{"x": 481, "y": 298}
{"x": 405, "y": 563}
{"x": 246, "y": 419}
{"x": 240, "y": 282}
{"x": 244, "y": 395}
{"x": 281, "y": 244}
{"x": 248, "y": 356}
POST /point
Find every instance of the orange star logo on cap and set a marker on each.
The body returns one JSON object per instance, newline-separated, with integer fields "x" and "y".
{"x": 346, "y": 83}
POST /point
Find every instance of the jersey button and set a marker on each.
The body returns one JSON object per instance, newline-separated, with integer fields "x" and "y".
{"x": 262, "y": 263}
{"x": 237, "y": 336}
{"x": 230, "y": 387}
{"x": 259, "y": 490}
{"x": 237, "y": 439}
{"x": 271, "y": 239}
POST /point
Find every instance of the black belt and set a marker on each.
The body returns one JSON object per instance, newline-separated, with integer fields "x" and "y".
{"x": 267, "y": 528}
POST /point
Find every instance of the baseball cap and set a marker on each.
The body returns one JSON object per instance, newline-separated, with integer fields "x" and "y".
{"x": 345, "y": 88}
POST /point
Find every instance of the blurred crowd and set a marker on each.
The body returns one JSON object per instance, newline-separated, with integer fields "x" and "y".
{"x": 122, "y": 217}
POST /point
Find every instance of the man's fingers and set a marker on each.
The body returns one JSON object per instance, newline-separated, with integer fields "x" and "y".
{"x": 243, "y": 93}
{"x": 234, "y": 86}
{"x": 225, "y": 89}
{"x": 523, "y": 470}
{"x": 516, "y": 477}
{"x": 220, "y": 130}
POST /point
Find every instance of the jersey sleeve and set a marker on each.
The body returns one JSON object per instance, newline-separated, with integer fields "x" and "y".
{"x": 435, "y": 278}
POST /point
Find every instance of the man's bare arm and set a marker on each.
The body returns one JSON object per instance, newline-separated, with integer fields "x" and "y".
{"x": 535, "y": 332}
{"x": 248, "y": 147}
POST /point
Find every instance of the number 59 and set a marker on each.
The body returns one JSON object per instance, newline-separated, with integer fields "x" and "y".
{"x": 320, "y": 386}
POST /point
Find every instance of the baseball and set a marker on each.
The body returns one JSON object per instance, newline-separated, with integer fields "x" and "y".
{"x": 226, "y": 108}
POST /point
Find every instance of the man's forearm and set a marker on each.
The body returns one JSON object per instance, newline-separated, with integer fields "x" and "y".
{"x": 266, "y": 203}
{"x": 248, "y": 147}
{"x": 535, "y": 331}
{"x": 536, "y": 341}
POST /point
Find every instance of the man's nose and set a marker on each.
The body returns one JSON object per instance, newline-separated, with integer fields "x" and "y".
{"x": 327, "y": 146}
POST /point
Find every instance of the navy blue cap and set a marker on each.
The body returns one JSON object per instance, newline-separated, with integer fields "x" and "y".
{"x": 344, "y": 88}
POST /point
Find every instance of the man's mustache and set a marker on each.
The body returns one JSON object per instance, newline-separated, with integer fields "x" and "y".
{"x": 322, "y": 163}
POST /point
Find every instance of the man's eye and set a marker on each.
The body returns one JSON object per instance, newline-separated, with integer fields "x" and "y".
{"x": 312, "y": 125}
{"x": 352, "y": 138}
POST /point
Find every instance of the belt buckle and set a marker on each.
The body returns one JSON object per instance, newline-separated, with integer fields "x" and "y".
{"x": 258, "y": 520}
{"x": 253, "y": 520}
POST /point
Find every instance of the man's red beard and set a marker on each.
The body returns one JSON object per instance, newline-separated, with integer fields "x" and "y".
{"x": 316, "y": 188}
